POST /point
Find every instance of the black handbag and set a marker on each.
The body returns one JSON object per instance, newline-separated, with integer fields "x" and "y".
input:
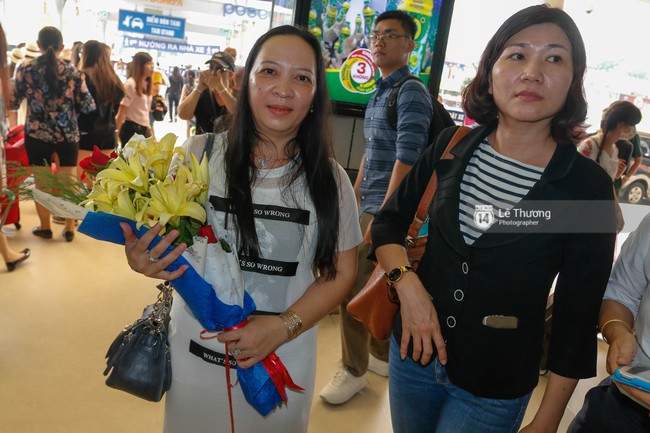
{"x": 139, "y": 360}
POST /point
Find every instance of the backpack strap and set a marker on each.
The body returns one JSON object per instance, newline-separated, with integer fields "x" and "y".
{"x": 391, "y": 105}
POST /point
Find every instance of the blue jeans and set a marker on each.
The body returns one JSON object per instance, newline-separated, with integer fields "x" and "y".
{"x": 422, "y": 399}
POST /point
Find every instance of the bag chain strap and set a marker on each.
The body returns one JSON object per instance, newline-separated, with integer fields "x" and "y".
{"x": 158, "y": 319}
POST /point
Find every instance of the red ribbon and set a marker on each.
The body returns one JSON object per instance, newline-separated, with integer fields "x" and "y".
{"x": 272, "y": 363}
{"x": 229, "y": 388}
{"x": 279, "y": 375}
{"x": 205, "y": 335}
{"x": 207, "y": 232}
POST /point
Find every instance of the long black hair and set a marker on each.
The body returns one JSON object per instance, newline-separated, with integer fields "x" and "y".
{"x": 176, "y": 73}
{"x": 96, "y": 63}
{"x": 313, "y": 144}
{"x": 50, "y": 40}
{"x": 479, "y": 104}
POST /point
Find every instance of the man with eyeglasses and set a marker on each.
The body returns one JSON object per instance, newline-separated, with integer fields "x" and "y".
{"x": 388, "y": 157}
{"x": 211, "y": 107}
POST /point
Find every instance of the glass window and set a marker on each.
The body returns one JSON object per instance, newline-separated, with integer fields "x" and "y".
{"x": 615, "y": 35}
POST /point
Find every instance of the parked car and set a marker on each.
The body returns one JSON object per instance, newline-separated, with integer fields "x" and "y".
{"x": 637, "y": 188}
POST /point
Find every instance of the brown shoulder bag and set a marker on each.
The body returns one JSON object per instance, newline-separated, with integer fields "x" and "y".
{"x": 376, "y": 303}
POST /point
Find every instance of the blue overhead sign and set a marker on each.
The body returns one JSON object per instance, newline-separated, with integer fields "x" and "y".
{"x": 173, "y": 47}
{"x": 149, "y": 24}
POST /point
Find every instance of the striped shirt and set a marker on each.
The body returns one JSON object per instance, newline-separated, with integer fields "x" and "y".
{"x": 492, "y": 179}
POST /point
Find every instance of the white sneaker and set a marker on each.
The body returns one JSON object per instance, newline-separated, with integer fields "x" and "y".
{"x": 342, "y": 387}
{"x": 378, "y": 366}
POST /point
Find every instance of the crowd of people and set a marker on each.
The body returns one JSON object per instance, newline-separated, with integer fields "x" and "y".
{"x": 467, "y": 340}
{"x": 62, "y": 126}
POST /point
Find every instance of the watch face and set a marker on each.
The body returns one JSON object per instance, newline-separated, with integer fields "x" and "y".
{"x": 395, "y": 275}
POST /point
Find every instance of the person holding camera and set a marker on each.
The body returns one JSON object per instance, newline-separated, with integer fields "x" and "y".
{"x": 211, "y": 108}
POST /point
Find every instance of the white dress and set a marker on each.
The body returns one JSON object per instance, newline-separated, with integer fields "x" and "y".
{"x": 286, "y": 226}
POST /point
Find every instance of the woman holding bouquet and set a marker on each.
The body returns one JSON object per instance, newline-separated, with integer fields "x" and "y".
{"x": 277, "y": 196}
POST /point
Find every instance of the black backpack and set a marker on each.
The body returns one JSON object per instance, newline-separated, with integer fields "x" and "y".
{"x": 441, "y": 118}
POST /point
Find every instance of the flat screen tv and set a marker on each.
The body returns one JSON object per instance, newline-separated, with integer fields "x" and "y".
{"x": 344, "y": 29}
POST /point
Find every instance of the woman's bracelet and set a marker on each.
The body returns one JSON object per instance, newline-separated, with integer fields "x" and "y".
{"x": 602, "y": 328}
{"x": 292, "y": 322}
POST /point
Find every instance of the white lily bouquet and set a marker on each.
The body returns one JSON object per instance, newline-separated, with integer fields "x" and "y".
{"x": 153, "y": 183}
{"x": 139, "y": 185}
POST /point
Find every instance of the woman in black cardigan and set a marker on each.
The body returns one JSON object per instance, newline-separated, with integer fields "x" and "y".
{"x": 515, "y": 208}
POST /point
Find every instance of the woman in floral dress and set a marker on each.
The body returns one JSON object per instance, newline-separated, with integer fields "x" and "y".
{"x": 56, "y": 93}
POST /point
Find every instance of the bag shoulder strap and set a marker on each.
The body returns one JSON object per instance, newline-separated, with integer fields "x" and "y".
{"x": 209, "y": 144}
{"x": 427, "y": 197}
{"x": 391, "y": 104}
{"x": 599, "y": 145}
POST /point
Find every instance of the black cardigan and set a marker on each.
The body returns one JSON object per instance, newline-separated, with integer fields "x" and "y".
{"x": 508, "y": 273}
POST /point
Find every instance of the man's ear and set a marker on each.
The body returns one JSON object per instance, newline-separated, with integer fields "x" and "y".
{"x": 411, "y": 45}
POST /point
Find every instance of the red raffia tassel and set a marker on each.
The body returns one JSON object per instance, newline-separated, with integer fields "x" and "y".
{"x": 279, "y": 375}
{"x": 209, "y": 335}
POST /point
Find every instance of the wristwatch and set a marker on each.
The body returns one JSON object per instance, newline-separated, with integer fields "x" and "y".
{"x": 396, "y": 274}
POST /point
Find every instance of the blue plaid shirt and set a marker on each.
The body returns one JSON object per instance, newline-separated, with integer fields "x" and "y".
{"x": 384, "y": 145}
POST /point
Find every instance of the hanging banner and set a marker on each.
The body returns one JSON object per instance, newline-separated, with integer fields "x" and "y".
{"x": 173, "y": 47}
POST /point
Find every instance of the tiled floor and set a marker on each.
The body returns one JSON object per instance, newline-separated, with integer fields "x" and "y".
{"x": 61, "y": 309}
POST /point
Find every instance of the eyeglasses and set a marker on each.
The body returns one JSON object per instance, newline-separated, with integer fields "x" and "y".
{"x": 376, "y": 37}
